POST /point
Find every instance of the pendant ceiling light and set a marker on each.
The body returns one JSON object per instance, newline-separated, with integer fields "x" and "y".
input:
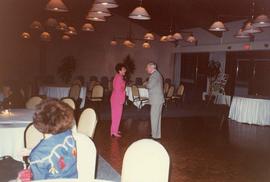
{"x": 71, "y": 31}
{"x": 241, "y": 35}
{"x": 96, "y": 18}
{"x": 149, "y": 36}
{"x": 218, "y": 26}
{"x": 36, "y": 25}
{"x": 139, "y": 13}
{"x": 114, "y": 42}
{"x": 106, "y": 3}
{"x": 128, "y": 43}
{"x": 88, "y": 27}
{"x": 250, "y": 28}
{"x": 25, "y": 35}
{"x": 62, "y": 26}
{"x": 99, "y": 10}
{"x": 261, "y": 21}
{"x": 177, "y": 36}
{"x": 170, "y": 38}
{"x": 191, "y": 39}
{"x": 51, "y": 22}
{"x": 163, "y": 39}
{"x": 45, "y": 36}
{"x": 146, "y": 45}
{"x": 66, "y": 37}
{"x": 56, "y": 6}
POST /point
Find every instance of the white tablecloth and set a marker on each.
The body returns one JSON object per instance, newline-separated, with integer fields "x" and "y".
{"x": 60, "y": 92}
{"x": 143, "y": 93}
{"x": 220, "y": 98}
{"x": 12, "y": 128}
{"x": 251, "y": 111}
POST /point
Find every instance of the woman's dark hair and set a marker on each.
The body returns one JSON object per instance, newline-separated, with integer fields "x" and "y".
{"x": 119, "y": 67}
{"x": 53, "y": 116}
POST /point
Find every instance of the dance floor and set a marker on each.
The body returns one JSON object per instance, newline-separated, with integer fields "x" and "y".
{"x": 198, "y": 149}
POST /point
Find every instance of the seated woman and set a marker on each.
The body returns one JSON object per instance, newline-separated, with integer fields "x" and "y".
{"x": 55, "y": 156}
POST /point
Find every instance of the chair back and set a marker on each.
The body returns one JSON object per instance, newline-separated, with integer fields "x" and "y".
{"x": 69, "y": 102}
{"x": 135, "y": 91}
{"x": 166, "y": 88}
{"x": 170, "y": 92}
{"x": 97, "y": 91}
{"x": 87, "y": 122}
{"x": 86, "y": 157}
{"x": 146, "y": 160}
{"x": 75, "y": 91}
{"x": 180, "y": 90}
{"x": 32, "y": 136}
{"x": 33, "y": 102}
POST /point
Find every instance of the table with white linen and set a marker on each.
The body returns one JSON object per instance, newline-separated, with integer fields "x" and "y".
{"x": 12, "y": 127}
{"x": 250, "y": 110}
{"x": 143, "y": 93}
{"x": 59, "y": 92}
{"x": 219, "y": 98}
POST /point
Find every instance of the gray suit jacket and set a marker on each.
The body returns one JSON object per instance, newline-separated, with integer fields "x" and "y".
{"x": 155, "y": 88}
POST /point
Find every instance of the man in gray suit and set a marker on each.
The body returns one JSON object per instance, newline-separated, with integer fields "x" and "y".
{"x": 156, "y": 98}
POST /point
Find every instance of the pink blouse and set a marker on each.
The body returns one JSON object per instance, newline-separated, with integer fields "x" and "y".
{"x": 119, "y": 89}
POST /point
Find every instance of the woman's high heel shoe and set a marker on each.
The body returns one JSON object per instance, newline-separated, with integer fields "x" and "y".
{"x": 116, "y": 135}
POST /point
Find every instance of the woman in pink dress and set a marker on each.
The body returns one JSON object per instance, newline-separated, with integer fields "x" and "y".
{"x": 118, "y": 98}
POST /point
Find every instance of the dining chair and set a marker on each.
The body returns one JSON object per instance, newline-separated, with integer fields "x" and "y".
{"x": 166, "y": 88}
{"x": 169, "y": 95}
{"x": 33, "y": 102}
{"x": 31, "y": 136}
{"x": 145, "y": 160}
{"x": 97, "y": 94}
{"x": 70, "y": 102}
{"x": 87, "y": 122}
{"x": 75, "y": 91}
{"x": 179, "y": 94}
{"x": 137, "y": 97}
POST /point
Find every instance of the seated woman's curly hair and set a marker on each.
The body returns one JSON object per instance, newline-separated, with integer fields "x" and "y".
{"x": 53, "y": 116}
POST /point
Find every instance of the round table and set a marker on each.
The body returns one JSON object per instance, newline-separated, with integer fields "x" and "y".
{"x": 12, "y": 127}
{"x": 143, "y": 93}
{"x": 250, "y": 110}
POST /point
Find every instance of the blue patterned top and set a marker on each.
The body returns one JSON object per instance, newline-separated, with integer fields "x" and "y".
{"x": 54, "y": 157}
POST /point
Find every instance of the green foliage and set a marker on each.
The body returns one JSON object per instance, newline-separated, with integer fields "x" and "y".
{"x": 67, "y": 68}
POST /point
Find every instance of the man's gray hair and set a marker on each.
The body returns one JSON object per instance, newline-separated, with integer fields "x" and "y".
{"x": 153, "y": 65}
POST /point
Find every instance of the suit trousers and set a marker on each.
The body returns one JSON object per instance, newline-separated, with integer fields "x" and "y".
{"x": 156, "y": 111}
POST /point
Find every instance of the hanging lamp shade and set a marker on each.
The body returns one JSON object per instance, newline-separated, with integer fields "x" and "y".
{"x": 56, "y": 6}
{"x": 146, "y": 45}
{"x": 99, "y": 10}
{"x": 139, "y": 13}
{"x": 261, "y": 21}
{"x": 66, "y": 37}
{"x": 177, "y": 36}
{"x": 71, "y": 31}
{"x": 51, "y": 22}
{"x": 170, "y": 38}
{"x": 241, "y": 35}
{"x": 95, "y": 18}
{"x": 191, "y": 39}
{"x": 249, "y": 28}
{"x": 106, "y": 3}
{"x": 218, "y": 26}
{"x": 149, "y": 36}
{"x": 36, "y": 25}
{"x": 128, "y": 43}
{"x": 62, "y": 26}
{"x": 25, "y": 35}
{"x": 113, "y": 42}
{"x": 88, "y": 27}
{"x": 45, "y": 36}
{"x": 163, "y": 39}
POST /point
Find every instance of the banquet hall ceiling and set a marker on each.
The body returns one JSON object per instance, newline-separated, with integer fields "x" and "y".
{"x": 183, "y": 13}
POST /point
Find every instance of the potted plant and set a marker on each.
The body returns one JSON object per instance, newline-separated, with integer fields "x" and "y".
{"x": 67, "y": 68}
{"x": 129, "y": 63}
{"x": 213, "y": 70}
